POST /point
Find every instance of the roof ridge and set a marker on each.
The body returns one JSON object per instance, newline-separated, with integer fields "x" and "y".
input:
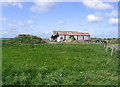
{"x": 65, "y": 31}
{"x": 70, "y": 31}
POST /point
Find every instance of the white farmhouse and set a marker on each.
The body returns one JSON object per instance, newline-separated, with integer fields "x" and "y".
{"x": 57, "y": 35}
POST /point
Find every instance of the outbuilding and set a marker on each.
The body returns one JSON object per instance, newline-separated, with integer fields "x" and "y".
{"x": 58, "y": 35}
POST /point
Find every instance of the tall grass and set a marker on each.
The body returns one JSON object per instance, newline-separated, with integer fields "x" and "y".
{"x": 58, "y": 64}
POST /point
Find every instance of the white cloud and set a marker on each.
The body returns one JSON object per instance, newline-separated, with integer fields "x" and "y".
{"x": 12, "y": 3}
{"x": 12, "y": 26}
{"x": 56, "y": 0}
{"x": 60, "y": 22}
{"x": 4, "y": 33}
{"x": 94, "y": 18}
{"x": 4, "y": 19}
{"x": 21, "y": 23}
{"x": 97, "y": 4}
{"x": 29, "y": 22}
{"x": 65, "y": 21}
{"x": 46, "y": 32}
{"x": 20, "y": 5}
{"x": 41, "y": 6}
{"x": 114, "y": 13}
{"x": 25, "y": 24}
{"x": 110, "y": 0}
{"x": 13, "y": 0}
{"x": 113, "y": 21}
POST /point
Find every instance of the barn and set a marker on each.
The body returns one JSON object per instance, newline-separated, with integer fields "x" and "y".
{"x": 57, "y": 35}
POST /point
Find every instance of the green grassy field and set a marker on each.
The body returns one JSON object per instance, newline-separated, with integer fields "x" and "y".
{"x": 58, "y": 64}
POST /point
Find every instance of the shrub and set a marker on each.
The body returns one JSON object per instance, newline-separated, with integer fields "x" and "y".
{"x": 72, "y": 37}
{"x": 27, "y": 39}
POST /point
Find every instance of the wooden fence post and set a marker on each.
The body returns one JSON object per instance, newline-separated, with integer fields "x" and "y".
{"x": 106, "y": 47}
{"x": 34, "y": 42}
{"x": 112, "y": 50}
{"x": 97, "y": 42}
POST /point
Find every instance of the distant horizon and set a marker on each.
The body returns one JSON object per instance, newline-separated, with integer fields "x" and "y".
{"x": 50, "y": 37}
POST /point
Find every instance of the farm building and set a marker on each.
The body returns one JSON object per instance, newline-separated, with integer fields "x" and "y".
{"x": 57, "y": 35}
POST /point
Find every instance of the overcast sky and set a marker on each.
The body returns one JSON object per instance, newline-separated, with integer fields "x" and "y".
{"x": 100, "y": 19}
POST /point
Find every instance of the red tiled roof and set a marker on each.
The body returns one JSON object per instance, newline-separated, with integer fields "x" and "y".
{"x": 73, "y": 33}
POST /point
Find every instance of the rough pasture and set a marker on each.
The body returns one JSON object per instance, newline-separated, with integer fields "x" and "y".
{"x": 58, "y": 64}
